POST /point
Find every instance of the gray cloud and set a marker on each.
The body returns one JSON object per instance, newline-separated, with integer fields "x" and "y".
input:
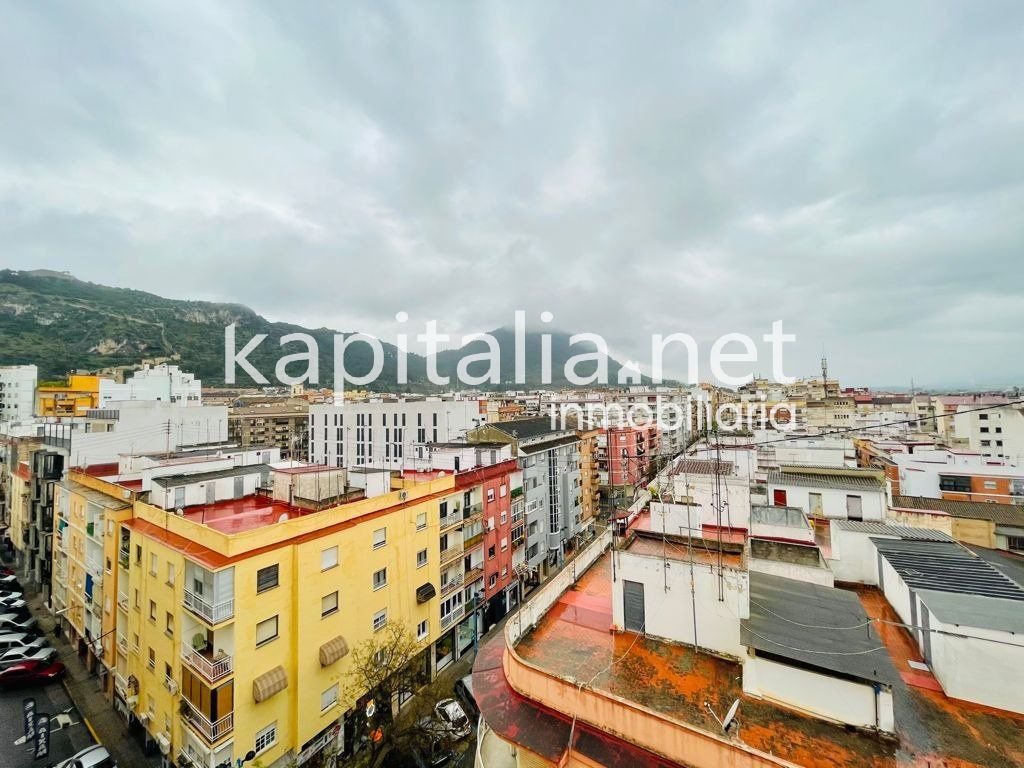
{"x": 854, "y": 170}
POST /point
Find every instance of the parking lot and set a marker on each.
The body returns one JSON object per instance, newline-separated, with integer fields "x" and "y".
{"x": 51, "y": 699}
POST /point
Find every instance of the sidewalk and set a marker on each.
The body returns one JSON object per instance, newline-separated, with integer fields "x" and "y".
{"x": 104, "y": 724}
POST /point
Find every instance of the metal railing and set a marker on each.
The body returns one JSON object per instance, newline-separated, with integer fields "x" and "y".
{"x": 451, "y": 618}
{"x": 201, "y": 725}
{"x": 451, "y": 585}
{"x": 212, "y": 669}
{"x": 473, "y": 510}
{"x": 212, "y": 612}
{"x": 451, "y": 520}
{"x": 450, "y": 555}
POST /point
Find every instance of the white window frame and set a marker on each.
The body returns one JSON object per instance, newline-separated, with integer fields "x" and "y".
{"x": 380, "y": 538}
{"x": 329, "y": 698}
{"x": 329, "y": 558}
{"x": 380, "y": 585}
{"x": 380, "y": 619}
{"x": 268, "y": 736}
{"x": 337, "y": 604}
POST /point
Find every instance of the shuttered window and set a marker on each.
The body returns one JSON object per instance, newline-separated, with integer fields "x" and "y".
{"x": 266, "y": 578}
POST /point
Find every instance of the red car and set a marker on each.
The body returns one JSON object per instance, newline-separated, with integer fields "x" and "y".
{"x": 31, "y": 673}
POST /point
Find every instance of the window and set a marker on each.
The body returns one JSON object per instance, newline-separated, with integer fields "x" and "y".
{"x": 170, "y": 574}
{"x": 955, "y": 483}
{"x": 380, "y": 538}
{"x": 266, "y": 578}
{"x": 503, "y": 491}
{"x": 421, "y": 558}
{"x": 329, "y": 604}
{"x": 504, "y": 543}
{"x": 138, "y": 554}
{"x": 421, "y": 521}
{"x": 380, "y": 619}
{"x": 984, "y": 429}
{"x": 380, "y": 578}
{"x": 490, "y": 494}
{"x": 329, "y": 698}
{"x": 169, "y": 624}
{"x": 266, "y": 738}
{"x": 490, "y": 552}
{"x": 504, "y": 517}
{"x": 153, "y": 563}
{"x": 422, "y": 630}
{"x": 152, "y": 610}
{"x": 266, "y": 631}
{"x": 493, "y": 580}
{"x": 990, "y": 485}
{"x": 151, "y": 661}
{"x": 328, "y": 558}
{"x": 137, "y": 603}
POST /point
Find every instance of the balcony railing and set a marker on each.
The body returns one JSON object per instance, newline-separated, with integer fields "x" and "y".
{"x": 212, "y": 612}
{"x": 122, "y": 644}
{"x": 451, "y": 585}
{"x": 185, "y": 760}
{"x": 122, "y": 602}
{"x": 473, "y": 574}
{"x": 200, "y": 724}
{"x": 450, "y": 520}
{"x": 212, "y": 669}
{"x": 473, "y": 510}
{"x": 451, "y": 618}
{"x": 123, "y": 557}
{"x": 450, "y": 555}
{"x": 471, "y": 541}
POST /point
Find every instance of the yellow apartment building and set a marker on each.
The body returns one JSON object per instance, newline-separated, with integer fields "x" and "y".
{"x": 234, "y": 620}
{"x": 78, "y": 395}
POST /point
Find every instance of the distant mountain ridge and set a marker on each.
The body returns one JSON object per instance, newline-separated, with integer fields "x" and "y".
{"x": 62, "y": 324}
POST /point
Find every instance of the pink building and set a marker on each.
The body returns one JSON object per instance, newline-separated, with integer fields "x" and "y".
{"x": 625, "y": 454}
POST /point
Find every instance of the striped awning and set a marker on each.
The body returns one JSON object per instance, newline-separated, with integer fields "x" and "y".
{"x": 332, "y": 650}
{"x": 269, "y": 683}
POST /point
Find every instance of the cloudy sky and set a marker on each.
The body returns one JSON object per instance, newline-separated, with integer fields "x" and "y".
{"x": 853, "y": 169}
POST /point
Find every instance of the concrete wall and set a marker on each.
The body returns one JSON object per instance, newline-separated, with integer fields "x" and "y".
{"x": 832, "y": 698}
{"x": 873, "y": 503}
{"x": 669, "y": 612}
{"x": 812, "y": 574}
{"x": 989, "y": 673}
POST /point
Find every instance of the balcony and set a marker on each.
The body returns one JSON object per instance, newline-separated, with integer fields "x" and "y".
{"x": 122, "y": 602}
{"x": 451, "y": 618}
{"x": 473, "y": 574}
{"x": 473, "y": 511}
{"x": 450, "y": 555}
{"x": 122, "y": 645}
{"x": 211, "y": 732}
{"x": 451, "y": 585}
{"x": 208, "y": 664}
{"x": 472, "y": 541}
{"x": 214, "y": 613}
{"x": 123, "y": 558}
{"x": 451, "y": 520}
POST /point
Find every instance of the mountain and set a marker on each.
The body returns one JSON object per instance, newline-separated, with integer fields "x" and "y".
{"x": 63, "y": 324}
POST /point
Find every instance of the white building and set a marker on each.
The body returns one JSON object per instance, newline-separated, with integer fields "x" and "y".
{"x": 163, "y": 383}
{"x": 383, "y": 433}
{"x": 844, "y": 494}
{"x": 966, "y": 616}
{"x": 941, "y": 473}
{"x": 17, "y": 392}
{"x": 995, "y": 434}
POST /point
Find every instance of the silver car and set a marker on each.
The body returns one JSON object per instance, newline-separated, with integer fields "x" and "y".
{"x": 95, "y": 756}
{"x": 14, "y": 656}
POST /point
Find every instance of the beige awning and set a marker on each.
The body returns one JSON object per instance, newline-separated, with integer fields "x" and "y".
{"x": 269, "y": 683}
{"x": 332, "y": 650}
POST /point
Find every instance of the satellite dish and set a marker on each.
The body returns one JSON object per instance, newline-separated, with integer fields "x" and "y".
{"x": 730, "y": 715}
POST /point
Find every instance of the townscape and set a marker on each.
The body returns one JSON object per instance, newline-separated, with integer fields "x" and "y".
{"x": 220, "y": 563}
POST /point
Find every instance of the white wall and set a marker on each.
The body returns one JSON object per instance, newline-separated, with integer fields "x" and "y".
{"x": 18, "y": 392}
{"x": 735, "y": 496}
{"x": 822, "y": 576}
{"x": 196, "y": 492}
{"x": 832, "y": 698}
{"x": 669, "y": 615}
{"x": 166, "y": 383}
{"x": 825, "y": 456}
{"x": 989, "y": 673}
{"x": 854, "y": 558}
{"x": 833, "y": 501}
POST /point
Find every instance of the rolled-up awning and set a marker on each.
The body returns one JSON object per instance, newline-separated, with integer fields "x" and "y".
{"x": 424, "y": 592}
{"x": 332, "y": 650}
{"x": 269, "y": 683}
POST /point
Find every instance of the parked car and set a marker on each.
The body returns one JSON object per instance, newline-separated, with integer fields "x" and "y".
{"x": 453, "y": 718}
{"x": 95, "y": 756}
{"x": 14, "y": 622}
{"x": 31, "y": 673}
{"x": 13, "y": 604}
{"x": 464, "y": 693}
{"x": 10, "y": 640}
{"x": 9, "y": 580}
{"x": 26, "y": 653}
{"x": 23, "y": 640}
{"x": 4, "y": 593}
{"x": 6, "y": 570}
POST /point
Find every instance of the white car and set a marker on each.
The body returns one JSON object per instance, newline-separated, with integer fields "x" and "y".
{"x": 14, "y": 622}
{"x": 18, "y": 655}
{"x": 453, "y": 718}
{"x": 6, "y": 593}
{"x": 95, "y": 756}
{"x": 8, "y": 581}
{"x": 9, "y": 639}
{"x": 12, "y": 604}
{"x": 27, "y": 653}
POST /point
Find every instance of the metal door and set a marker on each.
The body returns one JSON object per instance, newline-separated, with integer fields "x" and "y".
{"x": 633, "y": 605}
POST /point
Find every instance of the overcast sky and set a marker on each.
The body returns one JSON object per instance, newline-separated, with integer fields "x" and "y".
{"x": 853, "y": 169}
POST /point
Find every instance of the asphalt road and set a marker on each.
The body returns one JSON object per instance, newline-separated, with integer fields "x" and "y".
{"x": 52, "y": 699}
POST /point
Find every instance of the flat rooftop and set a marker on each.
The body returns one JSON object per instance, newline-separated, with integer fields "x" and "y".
{"x": 245, "y": 514}
{"x": 573, "y": 641}
{"x": 681, "y": 549}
